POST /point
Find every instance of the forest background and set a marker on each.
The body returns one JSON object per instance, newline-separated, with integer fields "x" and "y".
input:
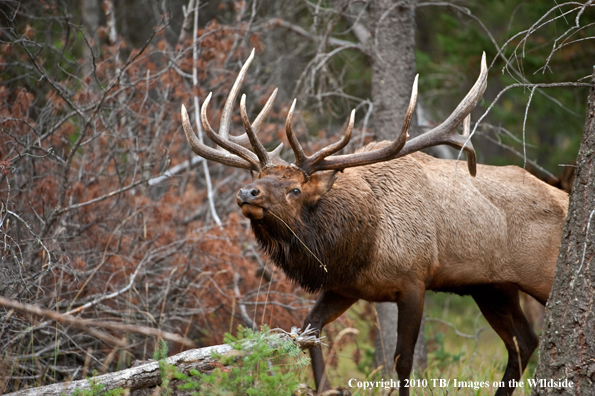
{"x": 107, "y": 214}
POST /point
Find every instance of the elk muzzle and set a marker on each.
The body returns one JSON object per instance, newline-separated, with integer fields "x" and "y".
{"x": 250, "y": 199}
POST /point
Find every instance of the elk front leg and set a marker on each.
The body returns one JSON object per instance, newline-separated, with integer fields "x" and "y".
{"x": 328, "y": 307}
{"x": 411, "y": 307}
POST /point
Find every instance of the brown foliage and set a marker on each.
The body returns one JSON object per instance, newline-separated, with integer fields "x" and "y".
{"x": 80, "y": 222}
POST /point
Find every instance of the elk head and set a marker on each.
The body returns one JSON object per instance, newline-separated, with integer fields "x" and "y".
{"x": 288, "y": 189}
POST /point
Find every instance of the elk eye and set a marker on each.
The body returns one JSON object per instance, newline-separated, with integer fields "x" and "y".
{"x": 295, "y": 191}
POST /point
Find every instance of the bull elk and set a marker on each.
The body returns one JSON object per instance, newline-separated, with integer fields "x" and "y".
{"x": 388, "y": 222}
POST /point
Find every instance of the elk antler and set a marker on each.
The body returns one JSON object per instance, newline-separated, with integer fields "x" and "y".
{"x": 319, "y": 160}
{"x": 238, "y": 156}
{"x": 306, "y": 163}
{"x": 445, "y": 133}
{"x": 210, "y": 153}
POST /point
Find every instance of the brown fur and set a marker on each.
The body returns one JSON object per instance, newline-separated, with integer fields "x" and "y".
{"x": 321, "y": 226}
{"x": 411, "y": 218}
{"x": 391, "y": 230}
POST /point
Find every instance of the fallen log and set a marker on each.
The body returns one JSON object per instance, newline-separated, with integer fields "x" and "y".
{"x": 146, "y": 375}
{"x": 141, "y": 377}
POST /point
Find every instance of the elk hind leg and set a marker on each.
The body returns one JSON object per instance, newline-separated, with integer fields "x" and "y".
{"x": 500, "y": 305}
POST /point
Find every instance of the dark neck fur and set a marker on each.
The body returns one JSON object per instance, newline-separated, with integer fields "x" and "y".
{"x": 341, "y": 238}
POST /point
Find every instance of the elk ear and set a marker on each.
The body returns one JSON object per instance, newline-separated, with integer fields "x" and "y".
{"x": 319, "y": 184}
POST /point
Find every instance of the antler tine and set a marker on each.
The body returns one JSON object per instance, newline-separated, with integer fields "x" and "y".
{"x": 276, "y": 156}
{"x": 231, "y": 98}
{"x": 264, "y": 112}
{"x": 469, "y": 150}
{"x": 446, "y": 133}
{"x": 467, "y": 126}
{"x": 333, "y": 148}
{"x": 243, "y": 139}
{"x": 263, "y": 156}
{"x": 386, "y": 153}
{"x": 226, "y": 144}
{"x": 207, "y": 152}
{"x": 300, "y": 157}
{"x": 239, "y": 156}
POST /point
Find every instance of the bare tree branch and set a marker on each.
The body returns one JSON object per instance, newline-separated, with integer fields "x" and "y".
{"x": 89, "y": 326}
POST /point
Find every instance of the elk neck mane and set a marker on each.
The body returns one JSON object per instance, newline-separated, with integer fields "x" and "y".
{"x": 339, "y": 230}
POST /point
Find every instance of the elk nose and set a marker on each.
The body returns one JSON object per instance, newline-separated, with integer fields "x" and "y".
{"x": 247, "y": 194}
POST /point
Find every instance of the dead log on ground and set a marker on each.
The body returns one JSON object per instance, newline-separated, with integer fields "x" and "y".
{"x": 147, "y": 375}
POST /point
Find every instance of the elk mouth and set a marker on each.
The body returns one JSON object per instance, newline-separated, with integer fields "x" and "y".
{"x": 252, "y": 212}
{"x": 250, "y": 199}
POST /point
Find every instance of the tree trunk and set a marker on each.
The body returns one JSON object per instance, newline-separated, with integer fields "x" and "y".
{"x": 90, "y": 13}
{"x": 567, "y": 349}
{"x": 393, "y": 72}
{"x": 393, "y": 64}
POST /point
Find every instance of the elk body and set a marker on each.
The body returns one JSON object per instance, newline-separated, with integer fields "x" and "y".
{"x": 387, "y": 223}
